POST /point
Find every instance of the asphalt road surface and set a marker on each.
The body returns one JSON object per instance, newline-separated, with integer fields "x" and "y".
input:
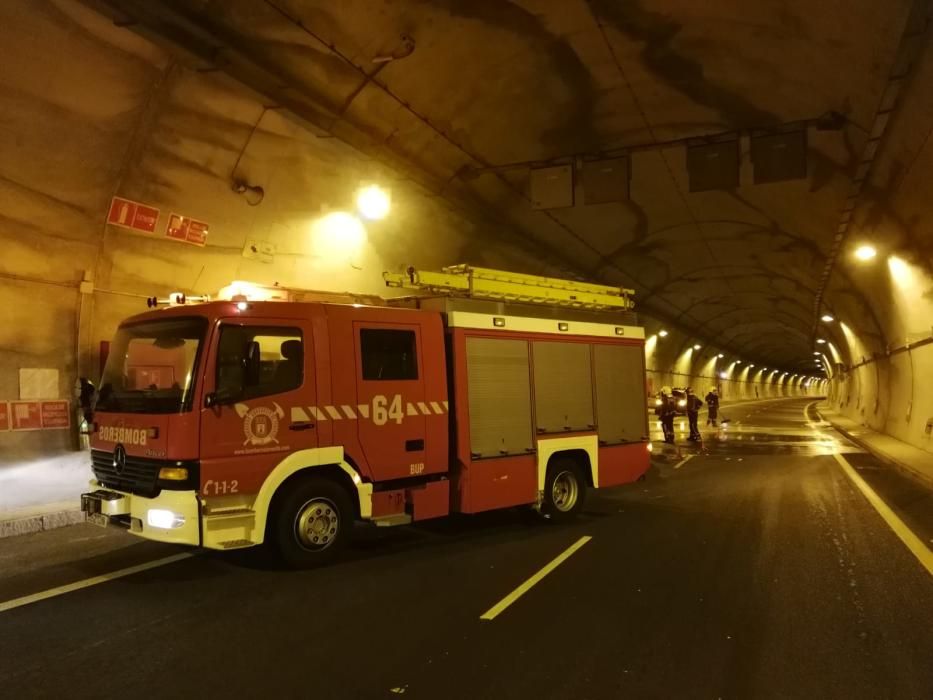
{"x": 750, "y": 566}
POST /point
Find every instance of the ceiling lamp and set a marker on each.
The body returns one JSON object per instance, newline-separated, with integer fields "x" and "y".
{"x": 373, "y": 202}
{"x": 865, "y": 252}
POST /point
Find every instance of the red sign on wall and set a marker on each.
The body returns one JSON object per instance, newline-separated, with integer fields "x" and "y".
{"x": 187, "y": 230}
{"x": 25, "y": 415}
{"x": 55, "y": 414}
{"x": 4, "y": 416}
{"x": 130, "y": 214}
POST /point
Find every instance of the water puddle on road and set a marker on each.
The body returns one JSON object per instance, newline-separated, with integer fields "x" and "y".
{"x": 749, "y": 440}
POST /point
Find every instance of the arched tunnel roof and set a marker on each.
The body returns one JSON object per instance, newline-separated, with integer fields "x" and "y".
{"x": 467, "y": 97}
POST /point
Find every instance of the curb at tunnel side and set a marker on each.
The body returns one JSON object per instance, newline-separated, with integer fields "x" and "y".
{"x": 923, "y": 476}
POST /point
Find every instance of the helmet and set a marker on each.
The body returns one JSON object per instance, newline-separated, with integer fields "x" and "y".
{"x": 666, "y": 390}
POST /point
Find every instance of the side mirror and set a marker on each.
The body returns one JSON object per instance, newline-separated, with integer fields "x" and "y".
{"x": 222, "y": 397}
{"x": 85, "y": 392}
{"x": 251, "y": 364}
{"x": 86, "y": 397}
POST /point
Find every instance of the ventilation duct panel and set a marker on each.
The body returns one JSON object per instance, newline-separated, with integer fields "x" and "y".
{"x": 606, "y": 181}
{"x": 551, "y": 188}
{"x": 713, "y": 166}
{"x": 779, "y": 157}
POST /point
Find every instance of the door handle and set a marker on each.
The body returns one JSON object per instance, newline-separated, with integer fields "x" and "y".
{"x": 301, "y": 425}
{"x": 414, "y": 445}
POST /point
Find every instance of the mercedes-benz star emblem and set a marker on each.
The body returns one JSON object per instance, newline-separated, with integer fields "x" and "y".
{"x": 119, "y": 459}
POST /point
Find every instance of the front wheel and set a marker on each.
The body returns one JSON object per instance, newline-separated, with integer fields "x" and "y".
{"x": 564, "y": 490}
{"x": 313, "y": 523}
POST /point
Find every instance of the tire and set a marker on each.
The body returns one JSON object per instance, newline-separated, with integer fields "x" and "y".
{"x": 312, "y": 523}
{"x": 564, "y": 489}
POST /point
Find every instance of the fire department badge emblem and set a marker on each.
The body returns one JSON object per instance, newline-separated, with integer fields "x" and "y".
{"x": 260, "y": 424}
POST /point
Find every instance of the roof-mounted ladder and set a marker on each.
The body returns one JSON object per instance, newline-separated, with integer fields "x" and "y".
{"x": 497, "y": 285}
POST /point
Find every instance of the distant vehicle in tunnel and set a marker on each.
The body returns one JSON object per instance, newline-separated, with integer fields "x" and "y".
{"x": 229, "y": 424}
{"x": 679, "y": 396}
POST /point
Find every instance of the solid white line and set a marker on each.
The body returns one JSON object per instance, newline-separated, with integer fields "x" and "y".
{"x": 906, "y": 535}
{"x": 496, "y": 609}
{"x": 88, "y": 582}
{"x": 683, "y": 461}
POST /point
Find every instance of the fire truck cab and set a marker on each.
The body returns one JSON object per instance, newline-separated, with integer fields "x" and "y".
{"x": 228, "y": 424}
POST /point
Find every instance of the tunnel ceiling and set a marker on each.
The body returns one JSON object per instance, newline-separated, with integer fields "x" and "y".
{"x": 463, "y": 97}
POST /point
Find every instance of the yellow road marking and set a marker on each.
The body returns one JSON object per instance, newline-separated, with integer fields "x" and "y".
{"x": 683, "y": 461}
{"x": 497, "y": 609}
{"x": 906, "y": 535}
{"x": 88, "y": 582}
{"x": 806, "y": 412}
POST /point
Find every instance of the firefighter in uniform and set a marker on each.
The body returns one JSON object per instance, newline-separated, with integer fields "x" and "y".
{"x": 694, "y": 404}
{"x": 666, "y": 412}
{"x": 712, "y": 401}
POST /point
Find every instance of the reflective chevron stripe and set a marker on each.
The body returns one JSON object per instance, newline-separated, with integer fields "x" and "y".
{"x": 365, "y": 411}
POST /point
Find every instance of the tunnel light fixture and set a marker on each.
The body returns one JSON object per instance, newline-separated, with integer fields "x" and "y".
{"x": 865, "y": 252}
{"x": 817, "y": 352}
{"x": 826, "y": 318}
{"x": 723, "y": 375}
{"x": 696, "y": 346}
{"x": 900, "y": 270}
{"x": 373, "y": 202}
{"x": 662, "y": 333}
{"x": 821, "y": 341}
{"x": 720, "y": 356}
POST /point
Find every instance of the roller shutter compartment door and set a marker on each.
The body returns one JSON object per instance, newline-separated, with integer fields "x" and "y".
{"x": 500, "y": 397}
{"x": 563, "y": 387}
{"x": 620, "y": 393}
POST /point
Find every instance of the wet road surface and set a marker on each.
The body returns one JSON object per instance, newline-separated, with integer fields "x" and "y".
{"x": 746, "y": 567}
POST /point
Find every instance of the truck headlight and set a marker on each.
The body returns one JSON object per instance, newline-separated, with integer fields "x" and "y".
{"x": 682, "y": 403}
{"x": 657, "y": 402}
{"x": 164, "y": 519}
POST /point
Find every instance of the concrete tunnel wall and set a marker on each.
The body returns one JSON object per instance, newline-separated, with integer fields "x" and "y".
{"x": 91, "y": 111}
{"x": 109, "y": 113}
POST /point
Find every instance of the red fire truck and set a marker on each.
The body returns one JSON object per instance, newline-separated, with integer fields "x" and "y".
{"x": 228, "y": 424}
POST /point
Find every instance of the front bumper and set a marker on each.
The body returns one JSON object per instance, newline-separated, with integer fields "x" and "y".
{"x": 116, "y": 508}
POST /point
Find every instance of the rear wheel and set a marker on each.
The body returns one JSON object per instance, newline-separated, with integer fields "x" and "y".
{"x": 312, "y": 523}
{"x": 564, "y": 489}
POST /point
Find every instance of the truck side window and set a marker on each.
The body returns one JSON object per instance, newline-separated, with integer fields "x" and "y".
{"x": 388, "y": 354}
{"x": 281, "y": 363}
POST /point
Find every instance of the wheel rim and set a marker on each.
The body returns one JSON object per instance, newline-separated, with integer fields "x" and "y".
{"x": 565, "y": 491}
{"x": 317, "y": 524}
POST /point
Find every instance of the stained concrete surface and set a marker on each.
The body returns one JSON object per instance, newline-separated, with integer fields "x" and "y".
{"x": 738, "y": 575}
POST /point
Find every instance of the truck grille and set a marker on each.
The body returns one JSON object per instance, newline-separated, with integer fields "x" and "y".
{"x": 140, "y": 476}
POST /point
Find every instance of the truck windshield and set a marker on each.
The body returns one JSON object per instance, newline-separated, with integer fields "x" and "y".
{"x": 151, "y": 367}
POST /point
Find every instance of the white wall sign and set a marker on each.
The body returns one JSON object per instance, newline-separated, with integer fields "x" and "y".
{"x": 37, "y": 383}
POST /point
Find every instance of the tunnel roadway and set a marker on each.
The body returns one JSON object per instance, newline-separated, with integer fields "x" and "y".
{"x": 751, "y": 566}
